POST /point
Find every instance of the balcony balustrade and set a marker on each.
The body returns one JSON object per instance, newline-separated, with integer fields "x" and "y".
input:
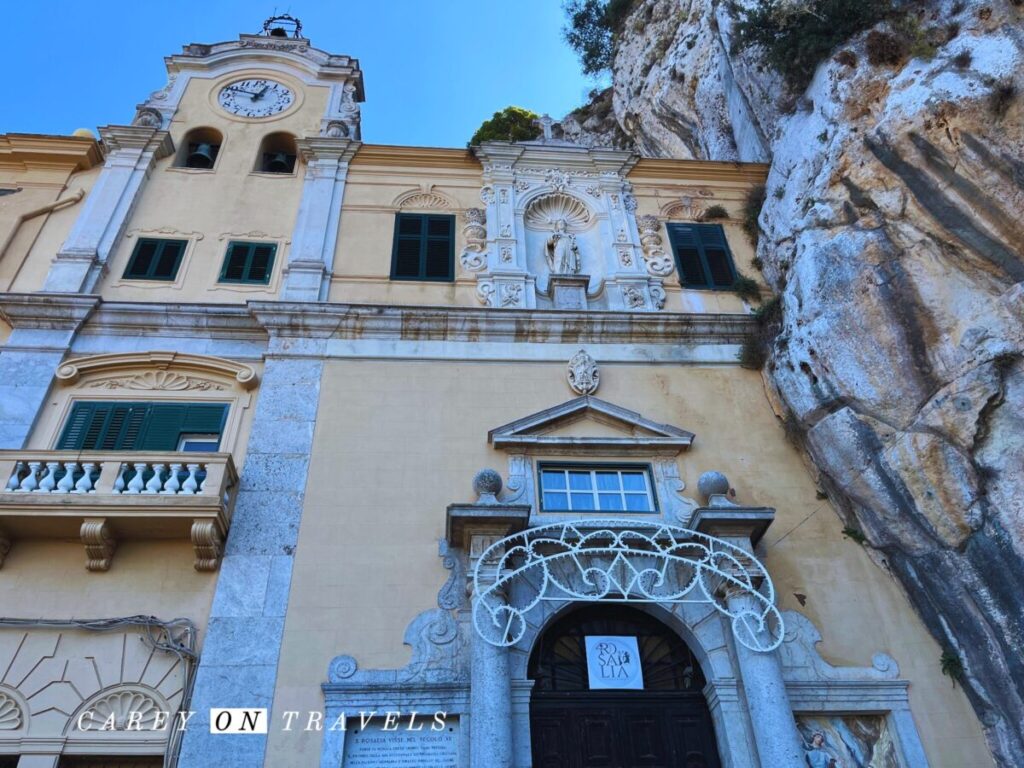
{"x": 103, "y": 497}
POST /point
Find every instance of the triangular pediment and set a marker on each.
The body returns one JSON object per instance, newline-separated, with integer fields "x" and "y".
{"x": 589, "y": 423}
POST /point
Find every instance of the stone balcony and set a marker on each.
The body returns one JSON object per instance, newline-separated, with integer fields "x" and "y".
{"x": 103, "y": 497}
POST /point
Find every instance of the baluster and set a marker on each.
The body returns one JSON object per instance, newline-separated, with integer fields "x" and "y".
{"x": 173, "y": 483}
{"x": 119, "y": 480}
{"x": 156, "y": 481}
{"x": 206, "y": 475}
{"x": 68, "y": 481}
{"x": 84, "y": 484}
{"x": 191, "y": 484}
{"x": 135, "y": 485}
{"x": 15, "y": 481}
{"x": 48, "y": 483}
{"x": 30, "y": 483}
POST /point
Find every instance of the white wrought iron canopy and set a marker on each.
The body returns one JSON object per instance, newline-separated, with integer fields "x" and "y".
{"x": 627, "y": 561}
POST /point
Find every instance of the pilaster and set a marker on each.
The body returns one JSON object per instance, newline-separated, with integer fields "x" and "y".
{"x": 246, "y": 628}
{"x": 315, "y": 237}
{"x": 82, "y": 259}
{"x": 43, "y": 329}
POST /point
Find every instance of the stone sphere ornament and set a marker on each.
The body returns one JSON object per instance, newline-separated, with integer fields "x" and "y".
{"x": 487, "y": 485}
{"x": 712, "y": 484}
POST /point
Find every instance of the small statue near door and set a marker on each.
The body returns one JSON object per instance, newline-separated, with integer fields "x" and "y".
{"x": 561, "y": 251}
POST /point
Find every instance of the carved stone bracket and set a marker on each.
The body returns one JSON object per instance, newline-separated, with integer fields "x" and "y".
{"x": 99, "y": 543}
{"x": 474, "y": 232}
{"x": 208, "y": 544}
{"x": 5, "y": 546}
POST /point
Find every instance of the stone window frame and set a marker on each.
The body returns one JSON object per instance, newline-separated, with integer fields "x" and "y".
{"x": 167, "y": 377}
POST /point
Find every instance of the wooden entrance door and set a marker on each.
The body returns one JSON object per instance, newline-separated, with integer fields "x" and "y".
{"x": 666, "y": 725}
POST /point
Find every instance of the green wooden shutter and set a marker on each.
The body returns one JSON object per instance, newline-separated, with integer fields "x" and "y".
{"x": 138, "y": 426}
{"x": 686, "y": 247}
{"x": 103, "y": 427}
{"x": 424, "y": 247}
{"x": 716, "y": 256}
{"x": 169, "y": 421}
{"x": 234, "y": 263}
{"x": 155, "y": 259}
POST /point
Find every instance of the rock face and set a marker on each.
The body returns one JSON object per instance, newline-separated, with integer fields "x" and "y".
{"x": 893, "y": 231}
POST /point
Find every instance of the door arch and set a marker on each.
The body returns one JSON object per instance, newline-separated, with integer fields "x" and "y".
{"x": 666, "y": 724}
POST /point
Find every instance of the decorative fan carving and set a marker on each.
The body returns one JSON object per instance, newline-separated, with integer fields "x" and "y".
{"x": 10, "y": 713}
{"x": 122, "y": 704}
{"x": 545, "y": 211}
{"x": 425, "y": 197}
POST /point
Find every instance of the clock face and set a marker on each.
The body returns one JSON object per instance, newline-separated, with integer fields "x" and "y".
{"x": 255, "y": 98}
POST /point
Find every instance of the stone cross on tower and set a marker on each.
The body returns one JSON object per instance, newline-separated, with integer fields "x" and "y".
{"x": 545, "y": 123}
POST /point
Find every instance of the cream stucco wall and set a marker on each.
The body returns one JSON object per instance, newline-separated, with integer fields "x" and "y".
{"x": 47, "y": 578}
{"x": 397, "y": 441}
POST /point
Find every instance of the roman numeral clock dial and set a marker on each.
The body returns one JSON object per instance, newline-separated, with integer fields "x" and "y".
{"x": 255, "y": 98}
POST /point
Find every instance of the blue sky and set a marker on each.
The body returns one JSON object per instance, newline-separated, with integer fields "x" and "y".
{"x": 434, "y": 69}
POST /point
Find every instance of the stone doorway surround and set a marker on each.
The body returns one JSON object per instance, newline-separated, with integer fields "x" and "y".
{"x": 487, "y": 687}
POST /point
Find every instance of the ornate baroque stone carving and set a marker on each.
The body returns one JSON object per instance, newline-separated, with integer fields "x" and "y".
{"x": 425, "y": 197}
{"x": 158, "y": 380}
{"x": 545, "y": 211}
{"x": 148, "y": 118}
{"x": 633, "y": 297}
{"x": 658, "y": 262}
{"x": 70, "y": 371}
{"x": 582, "y": 374}
{"x": 474, "y": 231}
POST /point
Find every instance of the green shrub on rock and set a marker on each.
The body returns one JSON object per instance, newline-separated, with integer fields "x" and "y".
{"x": 793, "y": 38}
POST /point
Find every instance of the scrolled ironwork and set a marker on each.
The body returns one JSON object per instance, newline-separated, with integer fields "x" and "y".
{"x": 618, "y": 560}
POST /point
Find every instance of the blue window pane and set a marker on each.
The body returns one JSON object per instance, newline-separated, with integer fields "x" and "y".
{"x": 556, "y": 501}
{"x": 633, "y": 481}
{"x": 579, "y": 481}
{"x": 637, "y": 503}
{"x": 610, "y": 501}
{"x": 582, "y": 501}
{"x": 553, "y": 480}
{"x": 607, "y": 481}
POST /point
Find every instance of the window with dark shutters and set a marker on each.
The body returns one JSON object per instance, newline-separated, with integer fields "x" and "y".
{"x": 248, "y": 263}
{"x": 424, "y": 247}
{"x": 702, "y": 256}
{"x": 154, "y": 259}
{"x": 138, "y": 426}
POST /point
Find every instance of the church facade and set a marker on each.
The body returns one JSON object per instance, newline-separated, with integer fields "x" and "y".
{"x": 411, "y": 456}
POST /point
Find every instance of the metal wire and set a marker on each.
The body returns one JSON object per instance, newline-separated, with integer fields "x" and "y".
{"x": 175, "y": 636}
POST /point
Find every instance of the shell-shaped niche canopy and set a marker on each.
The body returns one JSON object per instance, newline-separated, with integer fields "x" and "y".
{"x": 543, "y": 212}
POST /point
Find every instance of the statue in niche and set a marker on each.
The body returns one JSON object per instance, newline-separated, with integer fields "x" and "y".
{"x": 561, "y": 251}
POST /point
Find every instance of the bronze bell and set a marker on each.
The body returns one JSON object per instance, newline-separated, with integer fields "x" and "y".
{"x": 201, "y": 157}
{"x": 277, "y": 162}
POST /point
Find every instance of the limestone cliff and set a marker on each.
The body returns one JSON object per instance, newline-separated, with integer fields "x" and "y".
{"x": 893, "y": 232}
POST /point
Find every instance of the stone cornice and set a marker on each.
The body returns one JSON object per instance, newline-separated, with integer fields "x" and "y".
{"x": 363, "y": 321}
{"x": 21, "y": 151}
{"x": 137, "y": 137}
{"x": 699, "y": 170}
{"x": 414, "y": 157}
{"x": 46, "y": 311}
{"x": 218, "y": 321}
{"x": 327, "y": 148}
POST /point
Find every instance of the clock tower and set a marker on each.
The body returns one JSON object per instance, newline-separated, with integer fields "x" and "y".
{"x": 265, "y": 104}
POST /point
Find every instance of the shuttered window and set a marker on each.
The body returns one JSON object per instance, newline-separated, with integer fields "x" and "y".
{"x": 702, "y": 256}
{"x": 155, "y": 259}
{"x": 138, "y": 426}
{"x": 424, "y": 247}
{"x": 248, "y": 263}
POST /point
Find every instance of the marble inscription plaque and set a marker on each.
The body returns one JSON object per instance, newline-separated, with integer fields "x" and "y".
{"x": 374, "y": 747}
